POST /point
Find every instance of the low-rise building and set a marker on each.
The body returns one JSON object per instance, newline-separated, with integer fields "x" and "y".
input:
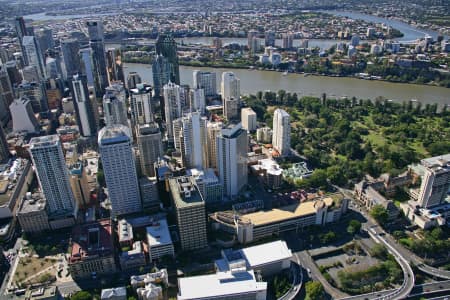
{"x": 92, "y": 250}
{"x": 257, "y": 225}
{"x": 426, "y": 218}
{"x": 32, "y": 213}
{"x": 125, "y": 233}
{"x": 208, "y": 184}
{"x": 118, "y": 293}
{"x": 42, "y": 293}
{"x": 159, "y": 277}
{"x": 134, "y": 258}
{"x": 150, "y": 292}
{"x": 269, "y": 172}
{"x": 268, "y": 259}
{"x": 159, "y": 240}
{"x": 238, "y": 284}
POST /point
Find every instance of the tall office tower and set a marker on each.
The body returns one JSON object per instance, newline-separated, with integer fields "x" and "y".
{"x": 31, "y": 74}
{"x": 252, "y": 34}
{"x": 207, "y": 81}
{"x": 115, "y": 106}
{"x": 190, "y": 140}
{"x": 23, "y": 117}
{"x": 172, "y": 106}
{"x": 248, "y": 119}
{"x": 52, "y": 173}
{"x": 115, "y": 65}
{"x": 119, "y": 167}
{"x": 96, "y": 42}
{"x": 45, "y": 39}
{"x": 13, "y": 72}
{"x": 51, "y": 67}
{"x": 83, "y": 105}
{"x": 255, "y": 46}
{"x": 6, "y": 93}
{"x": 161, "y": 73}
{"x": 141, "y": 104}
{"x": 133, "y": 80}
{"x": 87, "y": 65}
{"x": 167, "y": 47}
{"x": 150, "y": 147}
{"x": 33, "y": 54}
{"x": 36, "y": 93}
{"x": 435, "y": 181}
{"x": 5, "y": 115}
{"x": 230, "y": 89}
{"x": 197, "y": 100}
{"x": 4, "y": 149}
{"x": 269, "y": 38}
{"x": 190, "y": 211}
{"x": 288, "y": 40}
{"x": 281, "y": 139}
{"x": 70, "y": 49}
{"x": 21, "y": 31}
{"x": 232, "y": 148}
{"x": 213, "y": 130}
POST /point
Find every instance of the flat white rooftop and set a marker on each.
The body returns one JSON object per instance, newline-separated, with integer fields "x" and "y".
{"x": 158, "y": 234}
{"x": 266, "y": 253}
{"x": 219, "y": 284}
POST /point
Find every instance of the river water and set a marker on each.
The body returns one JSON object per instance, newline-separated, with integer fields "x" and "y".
{"x": 255, "y": 80}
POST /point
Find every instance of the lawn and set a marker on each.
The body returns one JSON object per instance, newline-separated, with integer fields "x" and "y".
{"x": 375, "y": 139}
{"x": 28, "y": 266}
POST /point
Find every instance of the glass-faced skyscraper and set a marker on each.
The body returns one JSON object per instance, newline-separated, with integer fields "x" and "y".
{"x": 161, "y": 73}
{"x": 96, "y": 42}
{"x": 167, "y": 47}
{"x": 70, "y": 49}
{"x": 83, "y": 106}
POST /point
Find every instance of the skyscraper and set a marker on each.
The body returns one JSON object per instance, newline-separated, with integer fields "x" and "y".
{"x": 114, "y": 105}
{"x": 191, "y": 140}
{"x": 33, "y": 54}
{"x": 281, "y": 139}
{"x": 52, "y": 173}
{"x": 83, "y": 105}
{"x": 232, "y": 148}
{"x": 21, "y": 31}
{"x": 6, "y": 93}
{"x": 231, "y": 90}
{"x": 70, "y": 49}
{"x": 190, "y": 212}
{"x": 435, "y": 181}
{"x": 96, "y": 42}
{"x": 248, "y": 119}
{"x": 87, "y": 65}
{"x": 252, "y": 34}
{"x": 207, "y": 81}
{"x": 161, "y": 74}
{"x": 23, "y": 117}
{"x": 115, "y": 65}
{"x": 197, "y": 100}
{"x": 4, "y": 149}
{"x": 133, "y": 79}
{"x": 167, "y": 47}
{"x": 172, "y": 106}
{"x": 150, "y": 147}
{"x": 141, "y": 104}
{"x": 45, "y": 39}
{"x": 119, "y": 168}
{"x": 269, "y": 38}
{"x": 288, "y": 40}
{"x": 213, "y": 130}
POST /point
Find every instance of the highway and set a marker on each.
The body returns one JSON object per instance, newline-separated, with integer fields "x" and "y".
{"x": 430, "y": 288}
{"x": 297, "y": 282}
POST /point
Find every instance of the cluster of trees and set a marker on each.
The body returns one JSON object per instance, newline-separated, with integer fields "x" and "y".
{"x": 280, "y": 286}
{"x": 314, "y": 291}
{"x": 343, "y": 139}
{"x": 435, "y": 244}
{"x": 379, "y": 213}
{"x": 376, "y": 277}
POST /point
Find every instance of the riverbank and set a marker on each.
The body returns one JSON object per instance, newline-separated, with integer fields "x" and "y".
{"x": 222, "y": 65}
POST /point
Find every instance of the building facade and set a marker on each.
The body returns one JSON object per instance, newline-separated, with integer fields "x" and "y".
{"x": 150, "y": 146}
{"x": 281, "y": 139}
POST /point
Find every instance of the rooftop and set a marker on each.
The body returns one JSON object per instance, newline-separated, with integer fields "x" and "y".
{"x": 9, "y": 177}
{"x": 41, "y": 293}
{"x": 266, "y": 253}
{"x": 185, "y": 192}
{"x": 206, "y": 176}
{"x": 437, "y": 161}
{"x": 219, "y": 284}
{"x": 32, "y": 203}
{"x": 113, "y": 134}
{"x": 125, "y": 231}
{"x": 287, "y": 212}
{"x": 91, "y": 240}
{"x": 158, "y": 234}
{"x": 114, "y": 292}
{"x": 44, "y": 141}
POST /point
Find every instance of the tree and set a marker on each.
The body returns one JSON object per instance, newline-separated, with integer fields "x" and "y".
{"x": 354, "y": 226}
{"x": 379, "y": 213}
{"x": 314, "y": 291}
{"x": 81, "y": 295}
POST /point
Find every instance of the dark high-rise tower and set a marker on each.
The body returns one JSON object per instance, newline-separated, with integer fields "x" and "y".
{"x": 45, "y": 39}
{"x": 115, "y": 66}
{"x": 96, "y": 42}
{"x": 167, "y": 47}
{"x": 161, "y": 73}
{"x": 83, "y": 106}
{"x": 70, "y": 49}
{"x": 4, "y": 151}
{"x": 21, "y": 31}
